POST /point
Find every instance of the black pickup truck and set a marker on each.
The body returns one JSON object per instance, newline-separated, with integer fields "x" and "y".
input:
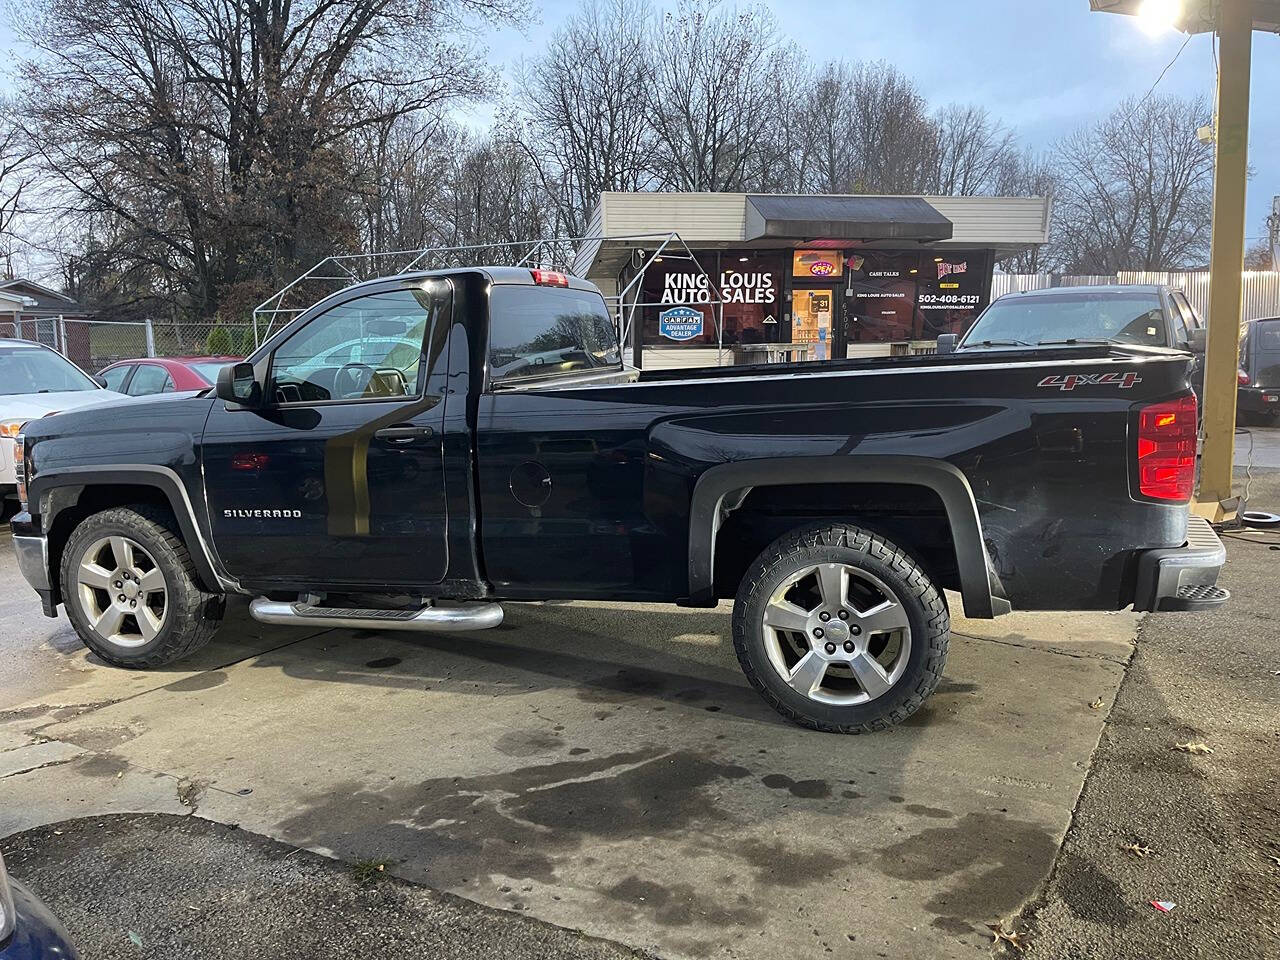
{"x": 411, "y": 451}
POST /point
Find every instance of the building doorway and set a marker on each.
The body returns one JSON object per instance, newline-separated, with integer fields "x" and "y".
{"x": 814, "y": 321}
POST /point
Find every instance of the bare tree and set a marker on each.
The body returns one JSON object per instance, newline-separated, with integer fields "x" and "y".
{"x": 1027, "y": 174}
{"x": 15, "y": 181}
{"x": 214, "y": 140}
{"x": 1135, "y": 189}
{"x": 494, "y": 195}
{"x": 712, "y": 96}
{"x": 400, "y": 167}
{"x": 1258, "y": 256}
{"x": 868, "y": 131}
{"x": 971, "y": 151}
{"x": 586, "y": 102}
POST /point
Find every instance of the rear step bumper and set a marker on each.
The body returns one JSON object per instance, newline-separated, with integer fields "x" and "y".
{"x": 453, "y": 619}
{"x": 1183, "y": 578}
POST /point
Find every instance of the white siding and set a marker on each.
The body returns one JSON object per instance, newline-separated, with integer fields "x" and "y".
{"x": 586, "y": 253}
{"x": 697, "y": 217}
{"x": 995, "y": 221}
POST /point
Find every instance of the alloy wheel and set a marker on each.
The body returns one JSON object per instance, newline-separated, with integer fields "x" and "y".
{"x": 122, "y": 591}
{"x": 837, "y": 634}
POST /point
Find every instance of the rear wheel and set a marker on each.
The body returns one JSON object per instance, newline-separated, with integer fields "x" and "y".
{"x": 840, "y": 630}
{"x": 130, "y": 589}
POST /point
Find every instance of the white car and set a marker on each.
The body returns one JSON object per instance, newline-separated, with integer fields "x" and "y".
{"x": 35, "y": 382}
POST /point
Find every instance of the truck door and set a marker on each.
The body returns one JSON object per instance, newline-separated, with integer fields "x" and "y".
{"x": 338, "y": 478}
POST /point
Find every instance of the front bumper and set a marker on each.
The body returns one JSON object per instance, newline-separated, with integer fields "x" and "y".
{"x": 1185, "y": 577}
{"x": 33, "y": 564}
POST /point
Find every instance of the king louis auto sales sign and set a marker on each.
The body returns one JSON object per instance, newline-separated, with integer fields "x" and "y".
{"x": 680, "y": 323}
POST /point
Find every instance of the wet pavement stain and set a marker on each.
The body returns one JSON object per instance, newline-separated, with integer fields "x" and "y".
{"x": 785, "y": 866}
{"x": 527, "y": 743}
{"x": 518, "y": 824}
{"x": 936, "y": 813}
{"x": 101, "y": 765}
{"x": 383, "y": 662}
{"x": 200, "y": 681}
{"x": 997, "y": 863}
{"x": 809, "y": 789}
{"x": 679, "y": 905}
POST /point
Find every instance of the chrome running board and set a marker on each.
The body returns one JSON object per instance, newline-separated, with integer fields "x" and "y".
{"x": 452, "y": 619}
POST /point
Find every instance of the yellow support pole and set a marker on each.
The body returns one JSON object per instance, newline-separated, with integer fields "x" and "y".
{"x": 1226, "y": 261}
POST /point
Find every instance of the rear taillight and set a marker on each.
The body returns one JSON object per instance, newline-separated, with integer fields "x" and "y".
{"x": 549, "y": 278}
{"x": 1167, "y": 449}
{"x": 1242, "y": 378}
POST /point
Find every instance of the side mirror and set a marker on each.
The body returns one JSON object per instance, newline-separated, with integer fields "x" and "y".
{"x": 947, "y": 343}
{"x": 100, "y": 381}
{"x": 237, "y": 383}
{"x": 1196, "y": 340}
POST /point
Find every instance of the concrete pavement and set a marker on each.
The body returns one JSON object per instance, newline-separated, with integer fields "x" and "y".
{"x": 600, "y": 766}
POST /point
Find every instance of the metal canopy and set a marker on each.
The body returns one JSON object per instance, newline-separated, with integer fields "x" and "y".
{"x": 1199, "y": 16}
{"x": 851, "y": 218}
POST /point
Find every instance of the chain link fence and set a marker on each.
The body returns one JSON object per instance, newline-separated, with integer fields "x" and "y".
{"x": 92, "y": 344}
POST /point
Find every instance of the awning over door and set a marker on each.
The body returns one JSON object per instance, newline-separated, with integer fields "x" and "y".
{"x": 864, "y": 219}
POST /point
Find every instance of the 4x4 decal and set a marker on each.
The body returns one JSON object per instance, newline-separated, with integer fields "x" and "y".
{"x": 1072, "y": 380}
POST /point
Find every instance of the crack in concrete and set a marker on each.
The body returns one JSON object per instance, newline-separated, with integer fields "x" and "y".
{"x": 1055, "y": 651}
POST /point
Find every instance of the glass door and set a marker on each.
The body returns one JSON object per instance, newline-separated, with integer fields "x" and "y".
{"x": 813, "y": 320}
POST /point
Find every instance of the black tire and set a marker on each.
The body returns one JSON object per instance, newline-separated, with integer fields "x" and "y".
{"x": 862, "y": 554}
{"x": 191, "y": 615}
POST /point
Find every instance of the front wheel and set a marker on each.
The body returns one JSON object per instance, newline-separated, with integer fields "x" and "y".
{"x": 840, "y": 630}
{"x": 130, "y": 589}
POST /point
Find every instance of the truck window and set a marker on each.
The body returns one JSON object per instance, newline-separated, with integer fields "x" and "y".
{"x": 369, "y": 348}
{"x": 543, "y": 331}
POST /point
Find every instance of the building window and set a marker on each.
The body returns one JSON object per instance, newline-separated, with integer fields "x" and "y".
{"x": 752, "y": 288}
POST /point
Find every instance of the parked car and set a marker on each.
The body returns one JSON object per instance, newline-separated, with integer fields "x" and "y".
{"x": 148, "y": 375}
{"x": 1147, "y": 315}
{"x": 28, "y": 930}
{"x": 419, "y": 486}
{"x": 36, "y": 381}
{"x": 1258, "y": 394}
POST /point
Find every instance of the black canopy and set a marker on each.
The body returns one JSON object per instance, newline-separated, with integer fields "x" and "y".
{"x": 845, "y": 218}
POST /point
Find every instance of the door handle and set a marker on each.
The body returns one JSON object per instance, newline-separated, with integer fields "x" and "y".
{"x": 404, "y": 433}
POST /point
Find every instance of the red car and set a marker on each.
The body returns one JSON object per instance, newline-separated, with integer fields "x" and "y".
{"x": 147, "y": 375}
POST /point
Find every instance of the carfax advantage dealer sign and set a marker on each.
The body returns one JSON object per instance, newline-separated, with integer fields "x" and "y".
{"x": 680, "y": 323}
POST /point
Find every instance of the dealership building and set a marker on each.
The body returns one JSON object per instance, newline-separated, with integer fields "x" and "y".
{"x": 749, "y": 278}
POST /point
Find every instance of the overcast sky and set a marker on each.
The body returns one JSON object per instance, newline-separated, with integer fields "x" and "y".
{"x": 1043, "y": 66}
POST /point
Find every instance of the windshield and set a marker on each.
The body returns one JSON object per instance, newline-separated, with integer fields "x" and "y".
{"x": 207, "y": 370}
{"x": 1033, "y": 320}
{"x": 37, "y": 370}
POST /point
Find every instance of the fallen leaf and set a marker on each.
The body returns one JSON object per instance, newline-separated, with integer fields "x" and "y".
{"x": 1199, "y": 749}
{"x": 1096, "y": 705}
{"x": 1000, "y": 935}
{"x": 1137, "y": 849}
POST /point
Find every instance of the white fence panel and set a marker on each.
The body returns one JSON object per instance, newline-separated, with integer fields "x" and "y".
{"x": 1261, "y": 289}
{"x": 1003, "y": 283}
